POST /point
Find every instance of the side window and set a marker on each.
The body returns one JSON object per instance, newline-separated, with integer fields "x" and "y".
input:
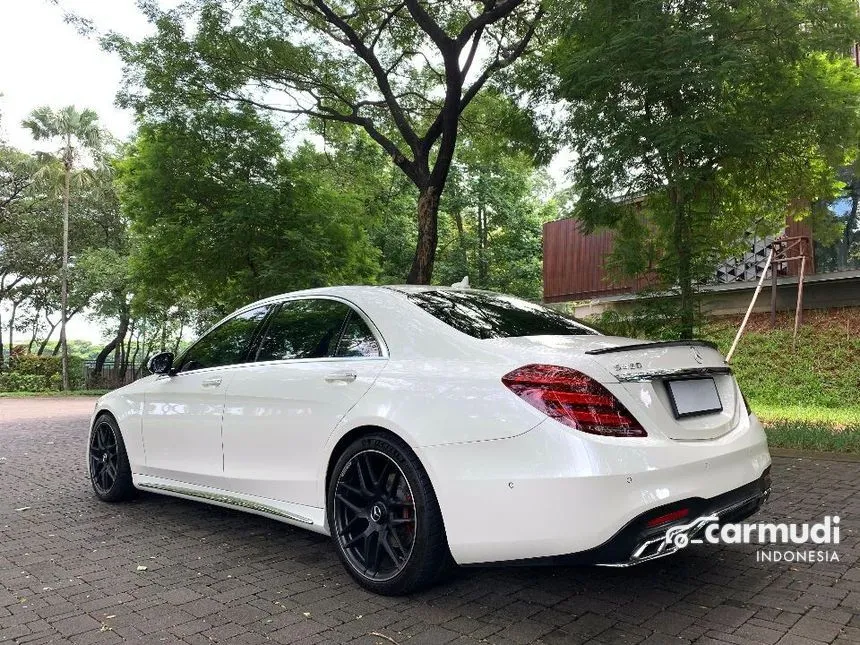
{"x": 303, "y": 329}
{"x": 357, "y": 339}
{"x": 227, "y": 344}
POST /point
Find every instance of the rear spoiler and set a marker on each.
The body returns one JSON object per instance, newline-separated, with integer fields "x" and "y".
{"x": 652, "y": 345}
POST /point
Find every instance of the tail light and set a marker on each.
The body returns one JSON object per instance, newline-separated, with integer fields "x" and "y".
{"x": 573, "y": 399}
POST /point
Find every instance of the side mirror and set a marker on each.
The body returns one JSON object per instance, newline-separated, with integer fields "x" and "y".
{"x": 161, "y": 363}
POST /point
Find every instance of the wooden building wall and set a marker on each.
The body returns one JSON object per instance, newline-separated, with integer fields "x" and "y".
{"x": 574, "y": 263}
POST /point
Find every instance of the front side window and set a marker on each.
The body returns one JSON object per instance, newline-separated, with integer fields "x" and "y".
{"x": 227, "y": 344}
{"x": 488, "y": 315}
{"x": 305, "y": 328}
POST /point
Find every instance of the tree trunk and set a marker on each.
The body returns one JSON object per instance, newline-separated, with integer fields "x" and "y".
{"x": 33, "y": 336}
{"x": 11, "y": 331}
{"x": 44, "y": 343}
{"x": 64, "y": 281}
{"x": 179, "y": 337}
{"x": 461, "y": 239}
{"x": 119, "y": 338}
{"x": 126, "y": 353}
{"x": 2, "y": 291}
{"x": 428, "y": 235}
{"x": 134, "y": 370}
{"x": 683, "y": 252}
{"x": 850, "y": 223}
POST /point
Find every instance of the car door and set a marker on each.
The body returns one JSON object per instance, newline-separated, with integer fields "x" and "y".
{"x": 316, "y": 359}
{"x": 182, "y": 413}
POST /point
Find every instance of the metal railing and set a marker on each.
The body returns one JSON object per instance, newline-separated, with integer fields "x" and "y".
{"x": 111, "y": 375}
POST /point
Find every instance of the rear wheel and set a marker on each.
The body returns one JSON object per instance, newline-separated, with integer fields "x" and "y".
{"x": 110, "y": 473}
{"x": 384, "y": 517}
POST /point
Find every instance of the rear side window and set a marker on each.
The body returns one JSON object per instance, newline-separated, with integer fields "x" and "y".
{"x": 485, "y": 315}
{"x": 303, "y": 329}
{"x": 357, "y": 339}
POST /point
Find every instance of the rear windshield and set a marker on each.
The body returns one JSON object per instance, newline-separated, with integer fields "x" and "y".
{"x": 484, "y": 315}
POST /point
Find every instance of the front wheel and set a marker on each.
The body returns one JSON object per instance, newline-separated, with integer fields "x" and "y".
{"x": 384, "y": 517}
{"x": 110, "y": 472}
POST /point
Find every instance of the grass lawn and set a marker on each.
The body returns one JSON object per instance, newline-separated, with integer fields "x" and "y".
{"x": 811, "y": 428}
{"x": 837, "y": 418}
{"x": 808, "y": 399}
{"x": 804, "y": 435}
{"x": 15, "y": 395}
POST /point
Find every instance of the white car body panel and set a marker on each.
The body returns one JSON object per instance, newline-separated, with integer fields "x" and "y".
{"x": 182, "y": 423}
{"x": 277, "y": 456}
{"x": 511, "y": 482}
{"x": 551, "y": 492}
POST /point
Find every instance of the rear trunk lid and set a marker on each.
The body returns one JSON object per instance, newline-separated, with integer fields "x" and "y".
{"x": 643, "y": 377}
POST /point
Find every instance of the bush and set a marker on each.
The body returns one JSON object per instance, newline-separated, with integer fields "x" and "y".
{"x": 17, "y": 382}
{"x": 48, "y": 368}
{"x": 33, "y": 364}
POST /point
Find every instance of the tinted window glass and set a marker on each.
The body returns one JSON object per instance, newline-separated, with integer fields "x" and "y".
{"x": 484, "y": 315}
{"x": 357, "y": 339}
{"x": 227, "y": 344}
{"x": 303, "y": 329}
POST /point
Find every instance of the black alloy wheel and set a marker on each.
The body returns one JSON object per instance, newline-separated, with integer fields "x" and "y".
{"x": 110, "y": 473}
{"x": 384, "y": 517}
{"x": 375, "y": 515}
{"x": 104, "y": 458}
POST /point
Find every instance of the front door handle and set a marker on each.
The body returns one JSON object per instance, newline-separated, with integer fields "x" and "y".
{"x": 341, "y": 377}
{"x": 212, "y": 382}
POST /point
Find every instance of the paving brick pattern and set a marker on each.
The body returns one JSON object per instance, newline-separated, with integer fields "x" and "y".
{"x": 69, "y": 571}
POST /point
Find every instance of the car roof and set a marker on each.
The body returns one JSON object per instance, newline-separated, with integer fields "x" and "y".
{"x": 423, "y": 288}
{"x": 346, "y": 290}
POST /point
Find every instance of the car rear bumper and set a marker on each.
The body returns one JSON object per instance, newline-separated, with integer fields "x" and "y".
{"x": 638, "y": 542}
{"x": 556, "y": 493}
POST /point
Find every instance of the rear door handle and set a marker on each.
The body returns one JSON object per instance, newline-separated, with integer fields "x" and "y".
{"x": 212, "y": 382}
{"x": 341, "y": 377}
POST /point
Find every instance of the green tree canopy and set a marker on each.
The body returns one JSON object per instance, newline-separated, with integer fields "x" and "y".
{"x": 219, "y": 211}
{"x": 401, "y": 71}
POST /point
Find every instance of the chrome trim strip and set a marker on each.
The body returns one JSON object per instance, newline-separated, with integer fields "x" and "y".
{"x": 652, "y": 375}
{"x": 229, "y": 500}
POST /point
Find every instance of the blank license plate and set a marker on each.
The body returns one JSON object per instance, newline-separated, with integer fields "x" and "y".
{"x": 694, "y": 396}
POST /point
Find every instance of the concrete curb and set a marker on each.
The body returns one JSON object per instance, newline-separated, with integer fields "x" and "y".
{"x": 815, "y": 456}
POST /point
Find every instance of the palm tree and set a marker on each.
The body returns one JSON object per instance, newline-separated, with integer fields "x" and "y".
{"x": 75, "y": 131}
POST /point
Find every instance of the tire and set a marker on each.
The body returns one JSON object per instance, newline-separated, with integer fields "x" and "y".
{"x": 107, "y": 462}
{"x": 378, "y": 487}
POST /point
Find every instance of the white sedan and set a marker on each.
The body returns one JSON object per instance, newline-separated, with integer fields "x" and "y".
{"x": 424, "y": 426}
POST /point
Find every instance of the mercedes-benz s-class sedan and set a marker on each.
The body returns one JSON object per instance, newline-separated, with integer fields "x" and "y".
{"x": 425, "y": 426}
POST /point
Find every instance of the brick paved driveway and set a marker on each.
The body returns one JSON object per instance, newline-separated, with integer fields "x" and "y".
{"x": 69, "y": 571}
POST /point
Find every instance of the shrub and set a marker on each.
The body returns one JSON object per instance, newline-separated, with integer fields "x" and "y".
{"x": 35, "y": 365}
{"x": 49, "y": 368}
{"x": 17, "y": 382}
